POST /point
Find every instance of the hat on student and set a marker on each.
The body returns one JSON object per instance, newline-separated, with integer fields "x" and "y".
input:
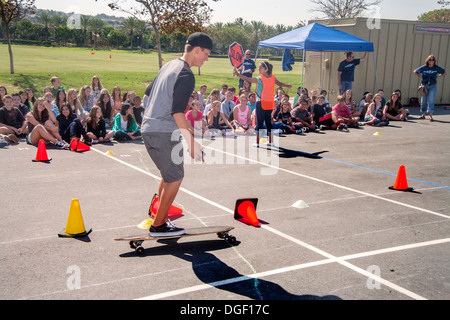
{"x": 202, "y": 40}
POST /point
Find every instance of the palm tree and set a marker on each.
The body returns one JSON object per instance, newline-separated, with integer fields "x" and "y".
{"x": 85, "y": 22}
{"x": 130, "y": 26}
{"x": 45, "y": 19}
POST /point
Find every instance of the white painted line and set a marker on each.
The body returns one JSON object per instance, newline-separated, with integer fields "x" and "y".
{"x": 333, "y": 184}
{"x": 341, "y": 260}
{"x": 301, "y": 243}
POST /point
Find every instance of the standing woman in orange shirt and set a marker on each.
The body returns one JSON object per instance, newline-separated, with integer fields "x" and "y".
{"x": 265, "y": 90}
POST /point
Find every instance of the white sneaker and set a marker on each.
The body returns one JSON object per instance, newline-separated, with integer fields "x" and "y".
{"x": 271, "y": 144}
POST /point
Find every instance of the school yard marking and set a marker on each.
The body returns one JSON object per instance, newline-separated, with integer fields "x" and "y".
{"x": 329, "y": 257}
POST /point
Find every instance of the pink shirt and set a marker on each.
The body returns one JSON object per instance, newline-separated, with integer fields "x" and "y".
{"x": 190, "y": 117}
{"x": 343, "y": 111}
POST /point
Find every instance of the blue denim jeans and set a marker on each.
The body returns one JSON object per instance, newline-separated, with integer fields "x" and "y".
{"x": 427, "y": 102}
{"x": 346, "y": 85}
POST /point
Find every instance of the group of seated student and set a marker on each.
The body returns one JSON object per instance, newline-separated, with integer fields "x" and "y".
{"x": 91, "y": 114}
{"x": 227, "y": 113}
{"x": 96, "y": 115}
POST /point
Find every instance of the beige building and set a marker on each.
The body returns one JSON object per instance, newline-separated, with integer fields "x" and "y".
{"x": 400, "y": 47}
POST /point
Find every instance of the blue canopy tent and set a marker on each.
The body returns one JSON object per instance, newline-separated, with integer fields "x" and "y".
{"x": 317, "y": 37}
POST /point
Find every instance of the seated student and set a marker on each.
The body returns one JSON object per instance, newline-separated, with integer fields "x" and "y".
{"x": 12, "y": 121}
{"x": 212, "y": 97}
{"x": 235, "y": 99}
{"x": 228, "y": 105}
{"x": 242, "y": 117}
{"x": 201, "y": 97}
{"x": 342, "y": 116}
{"x": 194, "y": 119}
{"x": 348, "y": 95}
{"x": 96, "y": 87}
{"x": 44, "y": 116}
{"x": 24, "y": 100}
{"x": 365, "y": 103}
{"x": 3, "y": 92}
{"x": 394, "y": 109}
{"x": 56, "y": 85}
{"x": 302, "y": 117}
{"x": 399, "y": 94}
{"x": 95, "y": 126}
{"x": 17, "y": 103}
{"x": 285, "y": 118}
{"x": 75, "y": 105}
{"x": 138, "y": 110}
{"x": 69, "y": 125}
{"x": 375, "y": 114}
{"x": 252, "y": 101}
{"x": 116, "y": 100}
{"x": 104, "y": 102}
{"x": 86, "y": 98}
{"x": 321, "y": 116}
{"x": 31, "y": 98}
{"x": 223, "y": 92}
{"x": 41, "y": 125}
{"x": 278, "y": 102}
{"x": 327, "y": 103}
{"x": 125, "y": 128}
{"x": 383, "y": 99}
{"x": 216, "y": 120}
{"x": 60, "y": 99}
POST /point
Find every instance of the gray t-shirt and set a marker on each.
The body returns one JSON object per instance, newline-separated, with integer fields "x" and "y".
{"x": 169, "y": 93}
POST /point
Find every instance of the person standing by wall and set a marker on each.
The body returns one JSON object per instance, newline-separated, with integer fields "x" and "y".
{"x": 429, "y": 72}
{"x": 346, "y": 71}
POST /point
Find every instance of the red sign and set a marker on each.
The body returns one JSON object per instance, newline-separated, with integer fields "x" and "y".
{"x": 236, "y": 55}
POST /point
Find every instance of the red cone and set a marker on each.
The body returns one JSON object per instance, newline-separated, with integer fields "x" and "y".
{"x": 173, "y": 210}
{"x": 245, "y": 209}
{"x": 401, "y": 184}
{"x": 41, "y": 155}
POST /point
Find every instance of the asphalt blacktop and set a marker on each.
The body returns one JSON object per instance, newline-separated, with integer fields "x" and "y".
{"x": 330, "y": 226}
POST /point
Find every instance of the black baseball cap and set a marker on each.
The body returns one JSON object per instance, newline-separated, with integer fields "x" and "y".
{"x": 202, "y": 40}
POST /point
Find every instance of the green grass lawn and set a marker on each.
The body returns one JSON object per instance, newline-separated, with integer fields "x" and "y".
{"x": 131, "y": 71}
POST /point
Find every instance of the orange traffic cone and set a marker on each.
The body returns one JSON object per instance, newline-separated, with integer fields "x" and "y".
{"x": 246, "y": 209}
{"x": 74, "y": 144}
{"x": 82, "y": 147}
{"x": 78, "y": 146}
{"x": 41, "y": 155}
{"x": 75, "y": 225}
{"x": 154, "y": 205}
{"x": 401, "y": 184}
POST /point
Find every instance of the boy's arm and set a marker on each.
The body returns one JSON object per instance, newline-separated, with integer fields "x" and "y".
{"x": 194, "y": 147}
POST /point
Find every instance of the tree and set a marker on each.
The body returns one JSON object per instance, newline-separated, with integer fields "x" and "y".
{"x": 13, "y": 10}
{"x": 129, "y": 26}
{"x": 439, "y": 15}
{"x": 168, "y": 16}
{"x": 339, "y": 9}
{"x": 45, "y": 19}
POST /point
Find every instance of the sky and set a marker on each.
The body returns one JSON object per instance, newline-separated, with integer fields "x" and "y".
{"x": 287, "y": 12}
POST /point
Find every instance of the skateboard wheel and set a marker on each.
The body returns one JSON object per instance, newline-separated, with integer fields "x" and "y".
{"x": 222, "y": 235}
{"x": 231, "y": 240}
{"x": 132, "y": 246}
{"x": 140, "y": 251}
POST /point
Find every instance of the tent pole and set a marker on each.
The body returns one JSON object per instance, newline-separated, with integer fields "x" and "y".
{"x": 303, "y": 68}
{"x": 375, "y": 70}
{"x": 321, "y": 70}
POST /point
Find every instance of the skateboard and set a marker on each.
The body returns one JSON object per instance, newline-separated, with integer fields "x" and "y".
{"x": 221, "y": 231}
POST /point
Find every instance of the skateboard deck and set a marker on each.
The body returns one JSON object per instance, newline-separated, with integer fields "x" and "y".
{"x": 221, "y": 231}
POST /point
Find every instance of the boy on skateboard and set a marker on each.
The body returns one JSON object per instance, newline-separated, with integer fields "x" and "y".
{"x": 163, "y": 122}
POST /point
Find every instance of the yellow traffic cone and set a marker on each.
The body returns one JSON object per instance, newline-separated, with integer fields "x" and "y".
{"x": 377, "y": 134}
{"x": 110, "y": 153}
{"x": 75, "y": 225}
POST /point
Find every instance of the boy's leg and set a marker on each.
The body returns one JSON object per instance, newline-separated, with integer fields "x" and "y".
{"x": 167, "y": 193}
